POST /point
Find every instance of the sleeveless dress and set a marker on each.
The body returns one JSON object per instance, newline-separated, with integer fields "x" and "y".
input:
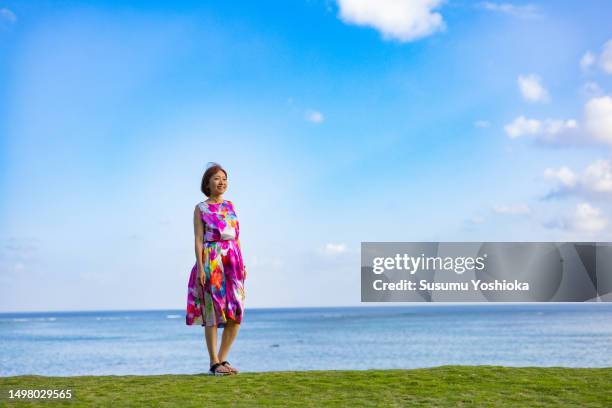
{"x": 222, "y": 298}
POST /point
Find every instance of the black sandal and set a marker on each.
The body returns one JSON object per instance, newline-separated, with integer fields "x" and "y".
{"x": 228, "y": 365}
{"x": 213, "y": 370}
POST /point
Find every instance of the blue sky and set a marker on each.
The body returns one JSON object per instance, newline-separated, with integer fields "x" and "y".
{"x": 338, "y": 122}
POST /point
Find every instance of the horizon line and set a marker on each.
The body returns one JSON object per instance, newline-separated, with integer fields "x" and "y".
{"x": 386, "y": 304}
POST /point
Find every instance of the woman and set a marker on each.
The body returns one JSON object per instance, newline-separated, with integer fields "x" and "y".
{"x": 215, "y": 296}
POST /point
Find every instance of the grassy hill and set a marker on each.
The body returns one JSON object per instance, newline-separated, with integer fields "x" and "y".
{"x": 445, "y": 386}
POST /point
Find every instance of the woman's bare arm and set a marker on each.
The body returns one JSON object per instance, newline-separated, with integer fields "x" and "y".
{"x": 198, "y": 230}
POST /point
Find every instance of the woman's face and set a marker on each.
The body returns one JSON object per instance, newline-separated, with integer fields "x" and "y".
{"x": 218, "y": 183}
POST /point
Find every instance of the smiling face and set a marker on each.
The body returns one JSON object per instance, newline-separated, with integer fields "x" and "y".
{"x": 217, "y": 184}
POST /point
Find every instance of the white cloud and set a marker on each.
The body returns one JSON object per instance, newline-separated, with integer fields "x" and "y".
{"x": 532, "y": 89}
{"x": 597, "y": 176}
{"x": 597, "y": 125}
{"x": 402, "y": 20}
{"x": 598, "y": 118}
{"x": 591, "y": 89}
{"x": 334, "y": 249}
{"x": 314, "y": 116}
{"x": 517, "y": 209}
{"x": 523, "y": 126}
{"x": 7, "y": 16}
{"x": 587, "y": 60}
{"x": 564, "y": 175}
{"x": 556, "y": 126}
{"x": 521, "y": 11}
{"x": 482, "y": 124}
{"x": 594, "y": 182}
{"x": 548, "y": 130}
{"x": 605, "y": 59}
{"x": 588, "y": 218}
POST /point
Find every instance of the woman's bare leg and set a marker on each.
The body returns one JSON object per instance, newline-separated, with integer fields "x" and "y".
{"x": 227, "y": 338}
{"x": 210, "y": 334}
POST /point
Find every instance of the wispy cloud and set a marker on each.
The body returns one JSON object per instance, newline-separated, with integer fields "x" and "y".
{"x": 591, "y": 89}
{"x": 7, "y": 17}
{"x": 520, "y": 11}
{"x": 517, "y": 209}
{"x": 603, "y": 60}
{"x": 21, "y": 249}
{"x": 587, "y": 60}
{"x": 477, "y": 219}
{"x": 473, "y": 223}
{"x": 585, "y": 219}
{"x": 482, "y": 124}
{"x": 402, "y": 20}
{"x": 314, "y": 116}
{"x": 532, "y": 89}
{"x": 334, "y": 249}
{"x": 17, "y": 255}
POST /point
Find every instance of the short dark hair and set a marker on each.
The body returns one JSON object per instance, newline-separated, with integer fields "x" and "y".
{"x": 210, "y": 171}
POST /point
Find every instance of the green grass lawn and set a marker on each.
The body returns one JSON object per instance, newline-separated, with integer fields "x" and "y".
{"x": 445, "y": 386}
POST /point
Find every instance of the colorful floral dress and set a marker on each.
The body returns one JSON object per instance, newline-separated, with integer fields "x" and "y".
{"x": 222, "y": 297}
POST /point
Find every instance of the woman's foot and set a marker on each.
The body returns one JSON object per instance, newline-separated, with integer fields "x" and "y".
{"x": 219, "y": 369}
{"x": 229, "y": 366}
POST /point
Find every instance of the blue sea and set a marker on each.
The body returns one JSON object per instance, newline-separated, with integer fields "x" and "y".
{"x": 159, "y": 342}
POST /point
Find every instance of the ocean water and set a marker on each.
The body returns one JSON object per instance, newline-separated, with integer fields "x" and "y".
{"x": 423, "y": 335}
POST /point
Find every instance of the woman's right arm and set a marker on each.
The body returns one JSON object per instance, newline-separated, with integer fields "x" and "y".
{"x": 198, "y": 229}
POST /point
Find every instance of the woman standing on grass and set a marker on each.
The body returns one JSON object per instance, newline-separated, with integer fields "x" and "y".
{"x": 215, "y": 296}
